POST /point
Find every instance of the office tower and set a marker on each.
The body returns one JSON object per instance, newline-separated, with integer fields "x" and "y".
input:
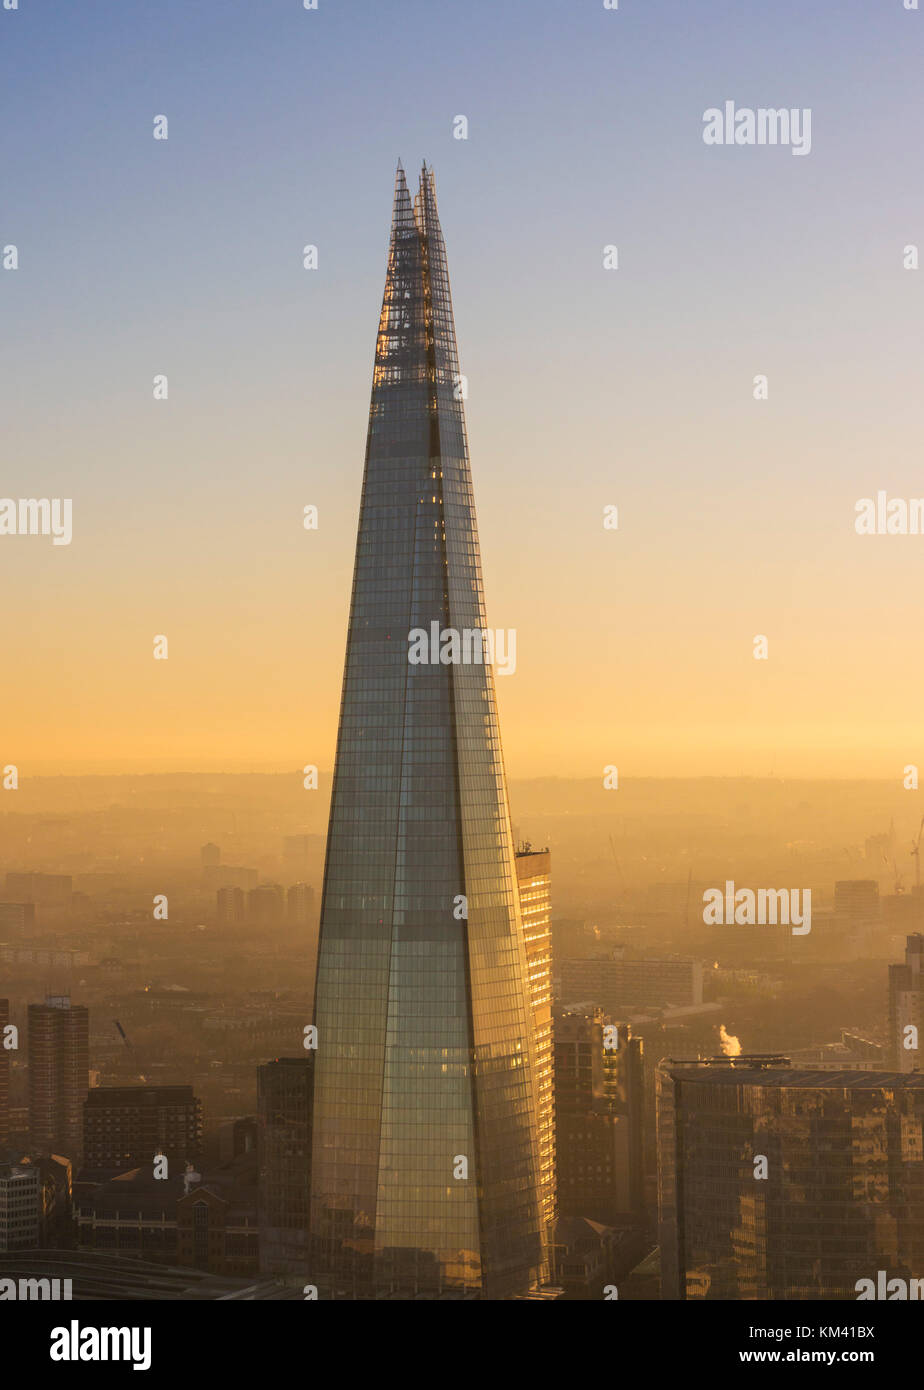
{"x": 210, "y": 856}
{"x": 284, "y": 1163}
{"x": 20, "y": 1206}
{"x": 125, "y": 1126}
{"x": 425, "y": 1164}
{"x": 266, "y": 905}
{"x": 58, "y": 1076}
{"x": 614, "y": 983}
{"x": 599, "y": 1117}
{"x": 300, "y": 904}
{"x": 906, "y": 1007}
{"x": 232, "y": 905}
{"x": 843, "y": 1194}
{"x": 4, "y": 1073}
{"x": 534, "y": 882}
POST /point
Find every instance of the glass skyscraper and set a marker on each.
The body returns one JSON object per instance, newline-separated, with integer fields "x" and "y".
{"x": 425, "y": 1154}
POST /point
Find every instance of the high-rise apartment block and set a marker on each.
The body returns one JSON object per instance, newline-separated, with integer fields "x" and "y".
{"x": 125, "y": 1126}
{"x": 59, "y": 1076}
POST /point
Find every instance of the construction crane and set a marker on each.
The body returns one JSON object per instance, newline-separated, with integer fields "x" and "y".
{"x": 131, "y": 1051}
{"x": 622, "y": 877}
{"x": 890, "y": 863}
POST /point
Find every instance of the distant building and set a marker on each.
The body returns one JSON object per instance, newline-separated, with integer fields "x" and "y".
{"x": 132, "y": 1214}
{"x": 852, "y": 1053}
{"x": 58, "y": 1076}
{"x": 903, "y": 912}
{"x": 18, "y": 918}
{"x": 20, "y": 1206}
{"x": 300, "y": 904}
{"x": 206, "y": 1223}
{"x": 534, "y": 880}
{"x": 40, "y": 888}
{"x": 599, "y": 1110}
{"x": 266, "y": 904}
{"x": 236, "y": 1138}
{"x": 584, "y": 1256}
{"x": 857, "y": 914}
{"x": 210, "y": 856}
{"x": 777, "y": 1183}
{"x": 616, "y": 983}
{"x": 5, "y": 1054}
{"x": 906, "y": 1007}
{"x": 216, "y": 1221}
{"x": 229, "y": 876}
{"x": 284, "y": 1163}
{"x": 125, "y": 1126}
{"x": 857, "y": 899}
{"x": 35, "y": 1204}
{"x": 55, "y": 1223}
{"x": 232, "y": 905}
{"x": 295, "y": 850}
{"x": 43, "y": 955}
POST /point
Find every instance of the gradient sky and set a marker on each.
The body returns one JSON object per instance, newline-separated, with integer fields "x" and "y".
{"x": 586, "y": 387}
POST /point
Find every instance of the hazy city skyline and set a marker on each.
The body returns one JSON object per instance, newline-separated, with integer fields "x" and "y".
{"x": 396, "y": 906}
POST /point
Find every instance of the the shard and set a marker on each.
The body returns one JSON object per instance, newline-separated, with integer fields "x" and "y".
{"x": 425, "y": 1164}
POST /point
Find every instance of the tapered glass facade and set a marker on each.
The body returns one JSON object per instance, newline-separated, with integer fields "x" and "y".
{"x": 425, "y": 1153}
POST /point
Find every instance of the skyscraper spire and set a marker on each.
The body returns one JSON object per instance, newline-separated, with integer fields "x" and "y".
{"x": 425, "y": 1157}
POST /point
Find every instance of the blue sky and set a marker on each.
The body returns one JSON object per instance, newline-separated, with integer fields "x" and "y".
{"x": 585, "y": 129}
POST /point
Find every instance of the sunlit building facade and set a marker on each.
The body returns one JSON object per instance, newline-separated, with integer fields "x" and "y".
{"x": 599, "y": 1117}
{"x": 59, "y": 1076}
{"x": 534, "y": 877}
{"x": 777, "y": 1183}
{"x": 425, "y": 1153}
